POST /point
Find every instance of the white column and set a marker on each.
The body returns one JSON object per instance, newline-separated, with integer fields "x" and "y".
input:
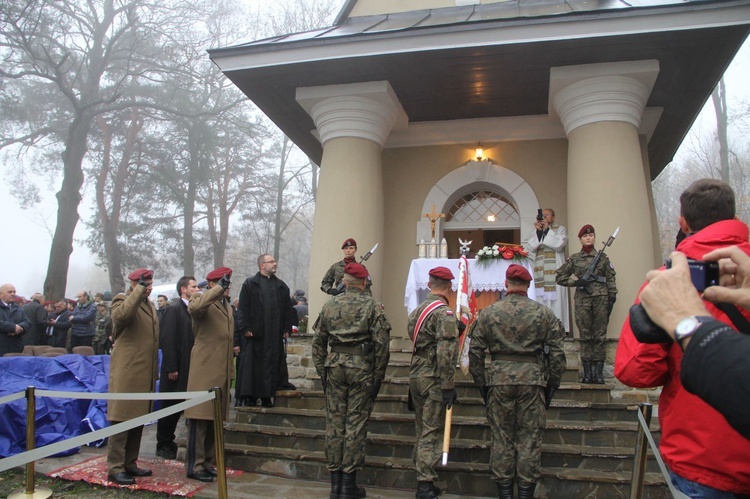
{"x": 601, "y": 107}
{"x": 353, "y": 122}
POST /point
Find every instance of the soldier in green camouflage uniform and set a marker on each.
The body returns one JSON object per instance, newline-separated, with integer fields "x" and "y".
{"x": 591, "y": 310}
{"x": 358, "y": 332}
{"x": 517, "y": 331}
{"x": 431, "y": 378}
{"x": 333, "y": 277}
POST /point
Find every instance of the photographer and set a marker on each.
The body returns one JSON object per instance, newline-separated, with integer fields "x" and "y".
{"x": 706, "y": 456}
{"x": 714, "y": 364}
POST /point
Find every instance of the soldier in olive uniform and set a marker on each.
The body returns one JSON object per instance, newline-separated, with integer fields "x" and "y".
{"x": 354, "y": 325}
{"x": 332, "y": 279}
{"x": 591, "y": 310}
{"x": 433, "y": 329}
{"x": 523, "y": 337}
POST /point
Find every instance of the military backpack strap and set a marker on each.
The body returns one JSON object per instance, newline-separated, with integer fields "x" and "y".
{"x": 420, "y": 320}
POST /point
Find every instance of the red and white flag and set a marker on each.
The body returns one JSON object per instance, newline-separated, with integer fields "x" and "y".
{"x": 466, "y": 311}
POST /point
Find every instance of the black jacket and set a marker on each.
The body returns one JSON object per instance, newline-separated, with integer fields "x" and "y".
{"x": 176, "y": 341}
{"x": 715, "y": 367}
{"x": 10, "y": 315}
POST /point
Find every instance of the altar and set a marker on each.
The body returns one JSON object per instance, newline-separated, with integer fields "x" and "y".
{"x": 487, "y": 279}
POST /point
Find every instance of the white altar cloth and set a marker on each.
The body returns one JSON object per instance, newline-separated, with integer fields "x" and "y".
{"x": 483, "y": 278}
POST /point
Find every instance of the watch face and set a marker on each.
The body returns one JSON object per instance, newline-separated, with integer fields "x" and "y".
{"x": 686, "y": 326}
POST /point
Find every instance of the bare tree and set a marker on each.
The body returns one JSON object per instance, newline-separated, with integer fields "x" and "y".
{"x": 719, "y": 97}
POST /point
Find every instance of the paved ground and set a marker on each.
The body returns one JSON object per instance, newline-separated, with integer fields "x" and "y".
{"x": 246, "y": 485}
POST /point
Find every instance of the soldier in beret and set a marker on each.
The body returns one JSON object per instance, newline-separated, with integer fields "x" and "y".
{"x": 517, "y": 331}
{"x": 591, "y": 310}
{"x": 433, "y": 329}
{"x": 354, "y": 325}
{"x": 211, "y": 364}
{"x": 133, "y": 368}
{"x": 332, "y": 279}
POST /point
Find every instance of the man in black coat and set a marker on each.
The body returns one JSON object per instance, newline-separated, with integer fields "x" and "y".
{"x": 13, "y": 322}
{"x": 37, "y": 315}
{"x": 268, "y": 318}
{"x": 176, "y": 341}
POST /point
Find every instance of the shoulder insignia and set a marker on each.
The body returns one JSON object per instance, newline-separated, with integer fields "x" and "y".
{"x": 449, "y": 312}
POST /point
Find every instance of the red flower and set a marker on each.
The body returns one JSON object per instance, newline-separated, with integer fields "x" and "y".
{"x": 508, "y": 254}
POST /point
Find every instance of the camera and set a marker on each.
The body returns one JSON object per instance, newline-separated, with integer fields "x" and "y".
{"x": 539, "y": 215}
{"x": 703, "y": 274}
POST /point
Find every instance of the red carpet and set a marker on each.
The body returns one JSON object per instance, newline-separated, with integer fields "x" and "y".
{"x": 169, "y": 476}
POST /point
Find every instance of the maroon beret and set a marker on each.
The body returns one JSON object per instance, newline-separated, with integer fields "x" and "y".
{"x": 442, "y": 273}
{"x": 357, "y": 270}
{"x": 217, "y": 274}
{"x": 138, "y": 273}
{"x": 586, "y": 229}
{"x": 349, "y": 242}
{"x": 517, "y": 272}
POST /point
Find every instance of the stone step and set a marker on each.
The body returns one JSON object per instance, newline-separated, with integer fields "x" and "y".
{"x": 462, "y": 450}
{"x": 400, "y": 368}
{"x": 455, "y": 478}
{"x": 464, "y": 388}
{"x": 474, "y": 406}
{"x": 585, "y": 433}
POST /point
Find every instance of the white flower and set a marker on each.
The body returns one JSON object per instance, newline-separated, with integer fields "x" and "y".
{"x": 495, "y": 252}
{"x": 480, "y": 252}
{"x": 495, "y": 247}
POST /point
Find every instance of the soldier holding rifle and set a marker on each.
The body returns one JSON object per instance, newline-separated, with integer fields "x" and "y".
{"x": 524, "y": 339}
{"x": 593, "y": 276}
{"x": 332, "y": 282}
{"x": 433, "y": 329}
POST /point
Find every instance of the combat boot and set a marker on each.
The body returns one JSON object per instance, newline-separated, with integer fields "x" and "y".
{"x": 587, "y": 375}
{"x": 505, "y": 489}
{"x": 426, "y": 490}
{"x": 336, "y": 484}
{"x": 526, "y": 490}
{"x": 349, "y": 488}
{"x": 598, "y": 372}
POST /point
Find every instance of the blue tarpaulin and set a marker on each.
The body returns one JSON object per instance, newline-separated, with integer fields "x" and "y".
{"x": 56, "y": 418}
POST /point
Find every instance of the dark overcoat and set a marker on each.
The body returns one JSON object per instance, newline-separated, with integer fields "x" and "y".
{"x": 261, "y": 356}
{"x": 134, "y": 364}
{"x": 176, "y": 341}
{"x": 211, "y": 359}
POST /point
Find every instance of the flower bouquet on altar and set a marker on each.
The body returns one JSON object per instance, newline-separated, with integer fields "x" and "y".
{"x": 489, "y": 254}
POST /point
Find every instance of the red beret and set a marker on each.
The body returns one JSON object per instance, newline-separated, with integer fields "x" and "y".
{"x": 357, "y": 270}
{"x": 517, "y": 272}
{"x": 349, "y": 242}
{"x": 217, "y": 274}
{"x": 586, "y": 229}
{"x": 442, "y": 273}
{"x": 138, "y": 273}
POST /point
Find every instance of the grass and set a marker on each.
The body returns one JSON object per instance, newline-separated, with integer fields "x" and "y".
{"x": 14, "y": 480}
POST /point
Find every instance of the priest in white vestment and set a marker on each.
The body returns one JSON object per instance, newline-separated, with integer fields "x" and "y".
{"x": 546, "y": 247}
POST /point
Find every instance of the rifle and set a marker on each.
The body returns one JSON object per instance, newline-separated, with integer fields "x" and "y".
{"x": 589, "y": 277}
{"x": 364, "y": 258}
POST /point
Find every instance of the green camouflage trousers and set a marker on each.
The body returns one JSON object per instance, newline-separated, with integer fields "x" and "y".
{"x": 516, "y": 415}
{"x": 592, "y": 319}
{"x": 429, "y": 422}
{"x": 348, "y": 405}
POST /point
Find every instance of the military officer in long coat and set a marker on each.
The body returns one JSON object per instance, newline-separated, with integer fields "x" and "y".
{"x": 211, "y": 365}
{"x": 133, "y": 368}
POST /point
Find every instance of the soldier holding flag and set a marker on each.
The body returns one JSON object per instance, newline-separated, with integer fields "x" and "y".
{"x": 433, "y": 329}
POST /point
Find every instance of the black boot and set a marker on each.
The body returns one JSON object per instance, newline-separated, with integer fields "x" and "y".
{"x": 426, "y": 490}
{"x": 526, "y": 490}
{"x": 587, "y": 375}
{"x": 598, "y": 372}
{"x": 349, "y": 488}
{"x": 505, "y": 489}
{"x": 336, "y": 477}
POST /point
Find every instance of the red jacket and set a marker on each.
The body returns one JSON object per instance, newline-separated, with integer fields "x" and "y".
{"x": 697, "y": 443}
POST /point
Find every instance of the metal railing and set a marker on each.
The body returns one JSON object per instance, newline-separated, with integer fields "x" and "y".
{"x": 32, "y": 454}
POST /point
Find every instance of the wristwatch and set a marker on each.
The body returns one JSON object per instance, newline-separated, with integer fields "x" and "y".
{"x": 689, "y": 325}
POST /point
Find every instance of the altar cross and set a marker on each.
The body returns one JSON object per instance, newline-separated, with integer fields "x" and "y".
{"x": 433, "y": 217}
